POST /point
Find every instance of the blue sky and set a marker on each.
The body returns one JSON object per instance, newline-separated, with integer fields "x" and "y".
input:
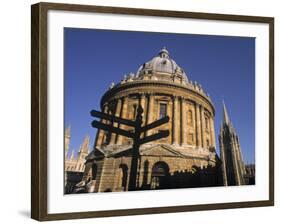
{"x": 224, "y": 65}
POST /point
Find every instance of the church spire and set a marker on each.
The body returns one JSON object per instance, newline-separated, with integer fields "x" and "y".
{"x": 225, "y": 114}
{"x": 66, "y": 140}
{"x": 67, "y": 131}
{"x": 72, "y": 155}
{"x": 84, "y": 148}
{"x": 233, "y": 168}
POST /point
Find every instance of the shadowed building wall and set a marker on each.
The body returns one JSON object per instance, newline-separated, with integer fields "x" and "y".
{"x": 74, "y": 166}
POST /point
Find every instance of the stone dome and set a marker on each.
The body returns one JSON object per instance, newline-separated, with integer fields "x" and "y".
{"x": 162, "y": 67}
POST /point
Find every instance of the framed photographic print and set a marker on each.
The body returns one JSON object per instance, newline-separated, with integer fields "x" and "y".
{"x": 138, "y": 111}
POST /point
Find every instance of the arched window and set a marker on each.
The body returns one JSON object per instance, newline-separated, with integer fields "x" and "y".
{"x": 208, "y": 142}
{"x": 190, "y": 138}
{"x": 207, "y": 123}
{"x": 160, "y": 176}
{"x": 162, "y": 110}
{"x": 123, "y": 176}
{"x": 189, "y": 118}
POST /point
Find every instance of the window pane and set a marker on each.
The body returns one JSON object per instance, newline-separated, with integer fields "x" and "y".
{"x": 163, "y": 110}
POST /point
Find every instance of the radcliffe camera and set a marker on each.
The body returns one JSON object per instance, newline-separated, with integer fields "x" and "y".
{"x": 156, "y": 111}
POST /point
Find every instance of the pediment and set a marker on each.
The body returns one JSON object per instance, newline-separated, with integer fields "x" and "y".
{"x": 98, "y": 152}
{"x": 95, "y": 154}
{"x": 160, "y": 150}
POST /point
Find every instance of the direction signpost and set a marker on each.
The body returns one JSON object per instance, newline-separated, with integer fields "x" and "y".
{"x": 135, "y": 135}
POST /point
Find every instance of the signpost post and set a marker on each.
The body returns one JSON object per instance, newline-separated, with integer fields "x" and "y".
{"x": 135, "y": 135}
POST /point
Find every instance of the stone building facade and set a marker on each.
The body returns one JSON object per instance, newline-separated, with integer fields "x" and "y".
{"x": 72, "y": 162}
{"x": 186, "y": 158}
{"x": 74, "y": 166}
{"x": 250, "y": 176}
{"x": 233, "y": 167}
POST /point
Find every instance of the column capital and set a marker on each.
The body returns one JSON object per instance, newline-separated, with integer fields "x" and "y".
{"x": 150, "y": 93}
{"x": 198, "y": 104}
{"x": 181, "y": 98}
{"x": 119, "y": 99}
{"x": 125, "y": 97}
{"x": 141, "y": 94}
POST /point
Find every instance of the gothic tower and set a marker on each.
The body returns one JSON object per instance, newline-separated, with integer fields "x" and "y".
{"x": 66, "y": 140}
{"x": 75, "y": 162}
{"x": 233, "y": 168}
{"x": 83, "y": 152}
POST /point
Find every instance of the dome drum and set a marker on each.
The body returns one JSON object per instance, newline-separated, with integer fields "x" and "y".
{"x": 192, "y": 119}
{"x": 189, "y": 91}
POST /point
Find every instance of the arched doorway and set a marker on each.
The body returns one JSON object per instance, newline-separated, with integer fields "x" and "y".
{"x": 123, "y": 176}
{"x": 160, "y": 177}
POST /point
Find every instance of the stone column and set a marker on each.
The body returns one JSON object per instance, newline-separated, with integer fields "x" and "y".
{"x": 213, "y": 139}
{"x": 142, "y": 104}
{"x": 117, "y": 112}
{"x": 183, "y": 122}
{"x": 123, "y": 115}
{"x": 198, "y": 125}
{"x": 203, "y": 127}
{"x": 146, "y": 112}
{"x": 101, "y": 134}
{"x": 150, "y": 111}
{"x": 175, "y": 131}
